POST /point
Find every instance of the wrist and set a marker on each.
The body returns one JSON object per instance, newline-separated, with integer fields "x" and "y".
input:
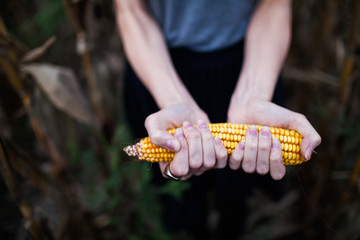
{"x": 177, "y": 97}
{"x": 244, "y": 96}
{"x": 252, "y": 87}
{"x": 243, "y": 104}
{"x": 169, "y": 90}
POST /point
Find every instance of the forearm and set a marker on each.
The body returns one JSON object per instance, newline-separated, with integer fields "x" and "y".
{"x": 266, "y": 45}
{"x": 147, "y": 53}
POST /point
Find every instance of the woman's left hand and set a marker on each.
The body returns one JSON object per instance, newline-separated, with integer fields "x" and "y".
{"x": 260, "y": 152}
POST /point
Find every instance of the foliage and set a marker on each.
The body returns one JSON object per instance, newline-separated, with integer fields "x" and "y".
{"x": 322, "y": 81}
{"x": 77, "y": 183}
{"x": 62, "y": 128}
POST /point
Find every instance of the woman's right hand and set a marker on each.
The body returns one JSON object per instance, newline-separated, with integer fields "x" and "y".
{"x": 195, "y": 149}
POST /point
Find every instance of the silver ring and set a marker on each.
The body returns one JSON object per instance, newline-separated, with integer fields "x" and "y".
{"x": 169, "y": 174}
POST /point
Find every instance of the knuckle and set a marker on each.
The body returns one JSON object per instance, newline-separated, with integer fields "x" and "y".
{"x": 278, "y": 174}
{"x": 149, "y": 121}
{"x": 248, "y": 168}
{"x": 317, "y": 140}
{"x": 221, "y": 165}
{"x": 235, "y": 156}
{"x": 207, "y": 136}
{"x": 184, "y": 145}
{"x": 276, "y": 157}
{"x": 277, "y": 177}
{"x": 222, "y": 155}
{"x": 156, "y": 137}
{"x": 233, "y": 165}
{"x": 253, "y": 145}
{"x": 300, "y": 119}
{"x": 195, "y": 163}
{"x": 193, "y": 134}
{"x": 262, "y": 170}
{"x": 210, "y": 163}
{"x": 179, "y": 171}
{"x": 264, "y": 147}
{"x": 207, "y": 140}
{"x": 199, "y": 173}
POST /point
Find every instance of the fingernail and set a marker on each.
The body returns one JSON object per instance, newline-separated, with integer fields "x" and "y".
{"x": 179, "y": 134}
{"x": 253, "y": 131}
{"x": 275, "y": 143}
{"x": 217, "y": 140}
{"x": 242, "y": 145}
{"x": 308, "y": 153}
{"x": 265, "y": 132}
{"x": 173, "y": 145}
{"x": 187, "y": 125}
{"x": 202, "y": 124}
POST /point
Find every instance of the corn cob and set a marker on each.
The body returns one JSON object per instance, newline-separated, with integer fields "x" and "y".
{"x": 230, "y": 135}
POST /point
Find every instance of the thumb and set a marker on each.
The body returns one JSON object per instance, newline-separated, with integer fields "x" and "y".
{"x": 311, "y": 139}
{"x": 271, "y": 114}
{"x": 159, "y": 136}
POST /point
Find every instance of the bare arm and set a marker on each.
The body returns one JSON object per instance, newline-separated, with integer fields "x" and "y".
{"x": 147, "y": 52}
{"x": 266, "y": 46}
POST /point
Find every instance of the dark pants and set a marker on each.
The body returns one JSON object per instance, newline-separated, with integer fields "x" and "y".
{"x": 211, "y": 78}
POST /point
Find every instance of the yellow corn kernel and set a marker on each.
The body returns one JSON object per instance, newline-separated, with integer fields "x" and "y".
{"x": 230, "y": 135}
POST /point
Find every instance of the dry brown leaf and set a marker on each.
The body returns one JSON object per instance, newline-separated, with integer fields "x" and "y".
{"x": 61, "y": 87}
{"x": 3, "y": 30}
{"x": 36, "y": 53}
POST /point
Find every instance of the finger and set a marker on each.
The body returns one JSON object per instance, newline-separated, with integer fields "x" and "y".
{"x": 179, "y": 166}
{"x": 311, "y": 139}
{"x": 220, "y": 153}
{"x": 193, "y": 138}
{"x": 198, "y": 173}
{"x": 250, "y": 154}
{"x": 237, "y": 156}
{"x": 162, "y": 166}
{"x": 207, "y": 146}
{"x": 274, "y": 115}
{"x": 277, "y": 168}
{"x": 262, "y": 164}
{"x": 186, "y": 177}
{"x": 158, "y": 134}
{"x": 190, "y": 173}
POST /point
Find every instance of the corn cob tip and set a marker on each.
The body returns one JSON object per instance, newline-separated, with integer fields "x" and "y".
{"x": 132, "y": 150}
